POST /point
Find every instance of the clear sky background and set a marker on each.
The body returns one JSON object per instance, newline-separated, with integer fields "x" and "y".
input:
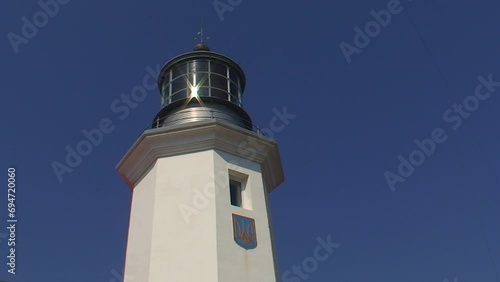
{"x": 352, "y": 122}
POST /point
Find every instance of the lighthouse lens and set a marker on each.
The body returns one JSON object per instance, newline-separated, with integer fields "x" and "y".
{"x": 194, "y": 91}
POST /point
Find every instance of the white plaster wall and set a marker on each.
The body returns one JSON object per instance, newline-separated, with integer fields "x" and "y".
{"x": 236, "y": 263}
{"x": 141, "y": 223}
{"x": 184, "y": 247}
{"x": 168, "y": 246}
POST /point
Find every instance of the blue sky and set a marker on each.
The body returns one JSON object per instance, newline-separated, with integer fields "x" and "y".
{"x": 353, "y": 120}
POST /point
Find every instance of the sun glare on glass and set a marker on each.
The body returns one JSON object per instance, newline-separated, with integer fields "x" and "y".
{"x": 194, "y": 91}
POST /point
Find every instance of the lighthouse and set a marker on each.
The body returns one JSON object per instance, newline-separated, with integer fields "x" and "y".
{"x": 200, "y": 179}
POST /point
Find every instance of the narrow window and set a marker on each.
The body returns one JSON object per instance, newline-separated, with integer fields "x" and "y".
{"x": 235, "y": 191}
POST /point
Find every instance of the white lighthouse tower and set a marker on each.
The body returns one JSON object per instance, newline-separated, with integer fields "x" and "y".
{"x": 200, "y": 179}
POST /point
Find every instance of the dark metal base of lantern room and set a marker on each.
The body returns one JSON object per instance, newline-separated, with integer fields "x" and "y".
{"x": 182, "y": 112}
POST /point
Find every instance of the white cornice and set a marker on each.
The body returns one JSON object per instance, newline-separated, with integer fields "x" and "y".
{"x": 200, "y": 136}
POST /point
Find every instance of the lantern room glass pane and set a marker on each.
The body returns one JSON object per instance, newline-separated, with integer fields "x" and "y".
{"x": 219, "y": 93}
{"x": 178, "y": 84}
{"x": 197, "y": 66}
{"x": 202, "y": 79}
{"x": 166, "y": 77}
{"x": 218, "y": 81}
{"x": 234, "y": 99}
{"x": 233, "y": 89}
{"x": 179, "y": 95}
{"x": 179, "y": 70}
{"x": 233, "y": 76}
{"x": 218, "y": 68}
{"x": 165, "y": 88}
{"x": 203, "y": 92}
